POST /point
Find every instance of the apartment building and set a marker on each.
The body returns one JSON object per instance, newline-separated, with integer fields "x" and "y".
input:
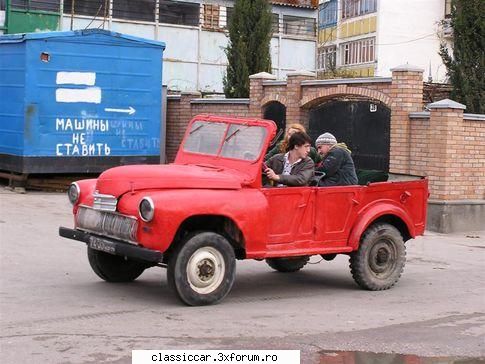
{"x": 195, "y": 32}
{"x": 368, "y": 37}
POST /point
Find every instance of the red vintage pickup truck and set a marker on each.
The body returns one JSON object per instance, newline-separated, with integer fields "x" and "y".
{"x": 199, "y": 214}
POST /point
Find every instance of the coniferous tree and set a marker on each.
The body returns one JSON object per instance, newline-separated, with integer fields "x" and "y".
{"x": 466, "y": 65}
{"x": 248, "y": 50}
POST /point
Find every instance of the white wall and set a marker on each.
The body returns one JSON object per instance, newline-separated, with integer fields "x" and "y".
{"x": 408, "y": 33}
{"x": 194, "y": 59}
{"x": 2, "y": 20}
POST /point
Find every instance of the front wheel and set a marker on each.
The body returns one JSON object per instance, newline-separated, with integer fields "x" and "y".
{"x": 203, "y": 269}
{"x": 379, "y": 261}
{"x": 113, "y": 268}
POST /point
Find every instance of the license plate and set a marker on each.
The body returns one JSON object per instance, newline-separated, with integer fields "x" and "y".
{"x": 102, "y": 245}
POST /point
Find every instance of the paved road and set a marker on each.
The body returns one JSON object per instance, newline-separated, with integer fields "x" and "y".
{"x": 55, "y": 310}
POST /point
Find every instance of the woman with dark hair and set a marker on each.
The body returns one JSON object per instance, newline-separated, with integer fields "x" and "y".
{"x": 295, "y": 167}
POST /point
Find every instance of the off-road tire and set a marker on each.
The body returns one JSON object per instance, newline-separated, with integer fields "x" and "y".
{"x": 288, "y": 265}
{"x": 202, "y": 270}
{"x": 114, "y": 268}
{"x": 380, "y": 259}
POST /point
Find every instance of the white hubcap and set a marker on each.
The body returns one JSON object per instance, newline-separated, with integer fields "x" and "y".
{"x": 205, "y": 270}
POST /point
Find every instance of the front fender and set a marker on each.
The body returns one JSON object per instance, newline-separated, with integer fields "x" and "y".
{"x": 246, "y": 207}
{"x": 372, "y": 213}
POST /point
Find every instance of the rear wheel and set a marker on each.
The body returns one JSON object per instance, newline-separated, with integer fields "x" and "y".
{"x": 203, "y": 269}
{"x": 288, "y": 265}
{"x": 113, "y": 268}
{"x": 379, "y": 261}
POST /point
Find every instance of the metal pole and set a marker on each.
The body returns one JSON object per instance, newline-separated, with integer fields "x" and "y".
{"x": 157, "y": 18}
{"x": 72, "y": 13}
{"x": 110, "y": 14}
{"x": 61, "y": 14}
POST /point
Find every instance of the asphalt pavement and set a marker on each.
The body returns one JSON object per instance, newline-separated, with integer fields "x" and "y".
{"x": 54, "y": 309}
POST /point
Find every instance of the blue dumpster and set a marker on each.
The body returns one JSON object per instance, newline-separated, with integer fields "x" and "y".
{"x": 79, "y": 102}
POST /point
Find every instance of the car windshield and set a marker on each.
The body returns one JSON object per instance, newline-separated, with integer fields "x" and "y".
{"x": 236, "y": 141}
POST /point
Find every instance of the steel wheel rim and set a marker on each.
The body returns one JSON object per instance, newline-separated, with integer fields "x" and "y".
{"x": 383, "y": 258}
{"x": 205, "y": 270}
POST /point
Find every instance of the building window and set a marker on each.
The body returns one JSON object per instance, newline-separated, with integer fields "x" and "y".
{"x": 44, "y": 5}
{"x": 177, "y": 12}
{"x": 295, "y": 25}
{"x": 359, "y": 51}
{"x": 327, "y": 14}
{"x": 143, "y": 10}
{"x": 86, "y": 7}
{"x": 211, "y": 16}
{"x": 327, "y": 57}
{"x": 351, "y": 8}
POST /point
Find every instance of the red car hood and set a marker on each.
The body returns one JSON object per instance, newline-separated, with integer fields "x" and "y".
{"x": 119, "y": 180}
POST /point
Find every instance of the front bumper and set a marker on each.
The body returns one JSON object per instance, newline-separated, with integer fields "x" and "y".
{"x": 112, "y": 246}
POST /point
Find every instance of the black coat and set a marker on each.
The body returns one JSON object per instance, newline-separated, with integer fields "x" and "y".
{"x": 338, "y": 167}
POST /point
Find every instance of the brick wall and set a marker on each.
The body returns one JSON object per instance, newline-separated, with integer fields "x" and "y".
{"x": 442, "y": 144}
{"x": 181, "y": 109}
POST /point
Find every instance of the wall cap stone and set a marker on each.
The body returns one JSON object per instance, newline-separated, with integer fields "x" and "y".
{"x": 342, "y": 81}
{"x": 301, "y": 73}
{"x": 173, "y": 97}
{"x": 446, "y": 104}
{"x": 263, "y": 75}
{"x": 191, "y": 93}
{"x": 419, "y": 115}
{"x": 456, "y": 202}
{"x": 220, "y": 101}
{"x": 275, "y": 83}
{"x": 477, "y": 117}
{"x": 407, "y": 68}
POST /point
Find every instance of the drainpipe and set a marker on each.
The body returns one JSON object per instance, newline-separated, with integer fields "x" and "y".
{"x": 110, "y": 14}
{"x": 280, "y": 28}
{"x": 72, "y": 13}
{"x": 61, "y": 14}
{"x": 199, "y": 35}
{"x": 157, "y": 18}
{"x": 7, "y": 10}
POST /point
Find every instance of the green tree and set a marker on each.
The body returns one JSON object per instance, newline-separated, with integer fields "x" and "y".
{"x": 466, "y": 65}
{"x": 248, "y": 50}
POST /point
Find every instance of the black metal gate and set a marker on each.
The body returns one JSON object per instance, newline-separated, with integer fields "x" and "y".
{"x": 276, "y": 111}
{"x": 361, "y": 124}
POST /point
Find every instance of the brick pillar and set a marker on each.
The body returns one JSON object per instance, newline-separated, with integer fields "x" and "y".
{"x": 179, "y": 123}
{"x": 256, "y": 92}
{"x": 294, "y": 94}
{"x": 407, "y": 94}
{"x": 446, "y": 166}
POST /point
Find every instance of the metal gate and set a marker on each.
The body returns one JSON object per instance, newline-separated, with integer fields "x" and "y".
{"x": 361, "y": 124}
{"x": 276, "y": 111}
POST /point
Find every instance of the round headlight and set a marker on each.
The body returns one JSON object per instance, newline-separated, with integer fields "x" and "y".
{"x": 73, "y": 193}
{"x": 146, "y": 209}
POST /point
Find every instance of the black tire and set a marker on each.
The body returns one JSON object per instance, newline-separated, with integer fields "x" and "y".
{"x": 113, "y": 268}
{"x": 288, "y": 265}
{"x": 202, "y": 269}
{"x": 380, "y": 259}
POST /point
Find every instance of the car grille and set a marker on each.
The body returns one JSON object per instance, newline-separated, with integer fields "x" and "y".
{"x": 104, "y": 202}
{"x": 107, "y": 223}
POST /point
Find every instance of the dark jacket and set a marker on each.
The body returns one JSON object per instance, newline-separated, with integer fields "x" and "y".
{"x": 338, "y": 167}
{"x": 300, "y": 174}
{"x": 276, "y": 150}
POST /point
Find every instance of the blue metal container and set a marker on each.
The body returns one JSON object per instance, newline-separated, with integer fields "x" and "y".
{"x": 79, "y": 102}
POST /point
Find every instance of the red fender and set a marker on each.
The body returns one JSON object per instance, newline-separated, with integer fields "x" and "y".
{"x": 372, "y": 213}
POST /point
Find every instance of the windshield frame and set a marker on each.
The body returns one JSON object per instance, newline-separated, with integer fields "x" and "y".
{"x": 225, "y": 137}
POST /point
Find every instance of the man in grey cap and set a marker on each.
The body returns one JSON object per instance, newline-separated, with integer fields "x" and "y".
{"x": 337, "y": 164}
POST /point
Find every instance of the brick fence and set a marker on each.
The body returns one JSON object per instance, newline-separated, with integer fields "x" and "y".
{"x": 443, "y": 144}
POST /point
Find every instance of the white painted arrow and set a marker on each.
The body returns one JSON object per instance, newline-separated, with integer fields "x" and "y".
{"x": 130, "y": 110}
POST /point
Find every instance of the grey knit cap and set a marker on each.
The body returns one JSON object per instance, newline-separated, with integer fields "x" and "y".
{"x": 326, "y": 138}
